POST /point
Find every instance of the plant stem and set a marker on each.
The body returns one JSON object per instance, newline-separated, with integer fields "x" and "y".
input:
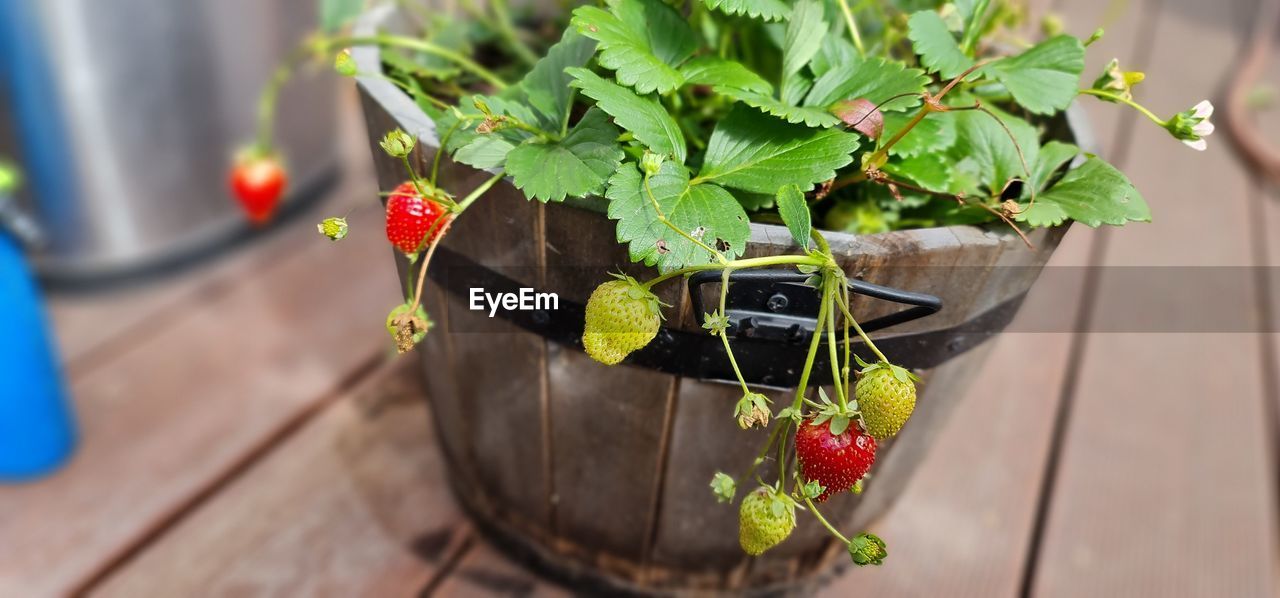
{"x": 829, "y": 281}
{"x": 863, "y": 335}
{"x": 853, "y": 27}
{"x": 739, "y": 264}
{"x": 1132, "y": 104}
{"x": 507, "y": 30}
{"x": 823, "y": 520}
{"x": 974, "y": 27}
{"x": 724, "y": 299}
{"x": 657, "y": 208}
{"x": 426, "y": 47}
{"x": 477, "y": 192}
{"x": 440, "y": 151}
{"x": 813, "y": 350}
{"x": 270, "y": 95}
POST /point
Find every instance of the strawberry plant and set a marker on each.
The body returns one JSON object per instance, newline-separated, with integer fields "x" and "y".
{"x": 687, "y": 120}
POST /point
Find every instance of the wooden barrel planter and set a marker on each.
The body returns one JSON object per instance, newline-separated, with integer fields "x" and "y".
{"x": 599, "y": 475}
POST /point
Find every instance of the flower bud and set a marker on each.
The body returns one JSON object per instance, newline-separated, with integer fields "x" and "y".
{"x": 1191, "y": 126}
{"x": 397, "y": 144}
{"x": 651, "y": 163}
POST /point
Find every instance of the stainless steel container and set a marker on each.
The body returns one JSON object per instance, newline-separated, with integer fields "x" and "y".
{"x": 126, "y": 114}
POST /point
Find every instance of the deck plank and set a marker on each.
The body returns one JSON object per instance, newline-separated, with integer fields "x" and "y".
{"x": 1162, "y": 453}
{"x": 964, "y": 524}
{"x": 354, "y": 504}
{"x": 176, "y": 410}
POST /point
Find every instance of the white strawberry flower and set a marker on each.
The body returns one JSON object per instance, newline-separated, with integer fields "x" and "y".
{"x": 1192, "y": 126}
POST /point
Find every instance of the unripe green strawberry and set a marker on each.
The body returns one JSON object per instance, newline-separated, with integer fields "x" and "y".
{"x": 886, "y": 397}
{"x": 765, "y": 519}
{"x": 867, "y": 549}
{"x": 622, "y": 316}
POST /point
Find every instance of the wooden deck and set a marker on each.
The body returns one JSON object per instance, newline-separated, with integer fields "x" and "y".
{"x": 245, "y": 431}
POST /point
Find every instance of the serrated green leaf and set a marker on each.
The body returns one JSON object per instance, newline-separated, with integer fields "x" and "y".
{"x": 546, "y": 87}
{"x": 875, "y": 79}
{"x": 1046, "y": 77}
{"x": 643, "y": 41}
{"x": 334, "y": 14}
{"x": 937, "y": 49}
{"x": 485, "y": 151}
{"x": 643, "y": 116}
{"x": 795, "y": 214}
{"x": 768, "y": 10}
{"x": 935, "y": 133}
{"x": 805, "y": 30}
{"x": 712, "y": 70}
{"x": 835, "y": 51}
{"x": 759, "y": 153}
{"x": 577, "y": 165}
{"x": 813, "y": 117}
{"x": 704, "y": 211}
{"x": 1093, "y": 194}
{"x": 984, "y": 143}
{"x": 1052, "y": 156}
{"x": 930, "y": 171}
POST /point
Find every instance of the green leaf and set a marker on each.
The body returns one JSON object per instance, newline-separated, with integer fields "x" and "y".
{"x": 712, "y": 70}
{"x": 642, "y": 40}
{"x": 1094, "y": 194}
{"x": 930, "y": 171}
{"x": 813, "y": 117}
{"x": 704, "y": 211}
{"x": 982, "y": 140}
{"x": 485, "y": 151}
{"x": 643, "y": 116}
{"x": 1046, "y": 77}
{"x": 334, "y": 14}
{"x": 937, "y": 49}
{"x": 805, "y": 31}
{"x": 875, "y": 79}
{"x": 768, "y": 10}
{"x": 546, "y": 87}
{"x": 758, "y": 153}
{"x": 577, "y": 165}
{"x": 835, "y": 51}
{"x": 1052, "y": 156}
{"x": 935, "y": 133}
{"x": 795, "y": 214}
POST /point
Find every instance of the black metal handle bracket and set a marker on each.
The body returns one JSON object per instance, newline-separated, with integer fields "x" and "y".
{"x": 777, "y": 305}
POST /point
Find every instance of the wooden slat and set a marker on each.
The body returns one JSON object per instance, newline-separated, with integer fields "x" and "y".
{"x": 1140, "y": 478}
{"x": 354, "y": 504}
{"x": 185, "y": 405}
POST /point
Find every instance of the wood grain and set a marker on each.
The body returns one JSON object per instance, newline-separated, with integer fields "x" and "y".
{"x": 1154, "y": 461}
{"x": 179, "y": 408}
{"x": 354, "y": 504}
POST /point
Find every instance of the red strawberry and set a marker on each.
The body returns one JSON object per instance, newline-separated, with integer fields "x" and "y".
{"x": 836, "y": 462}
{"x": 258, "y": 182}
{"x": 410, "y": 217}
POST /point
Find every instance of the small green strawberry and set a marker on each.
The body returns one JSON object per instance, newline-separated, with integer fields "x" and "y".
{"x": 344, "y": 64}
{"x": 334, "y": 228}
{"x": 867, "y": 549}
{"x": 765, "y": 519}
{"x": 886, "y": 396}
{"x": 622, "y": 316}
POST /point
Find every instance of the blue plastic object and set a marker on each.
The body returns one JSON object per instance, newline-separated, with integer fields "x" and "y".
{"x": 37, "y": 429}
